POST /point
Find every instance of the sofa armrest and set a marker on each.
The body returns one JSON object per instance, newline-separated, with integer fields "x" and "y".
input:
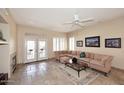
{"x": 108, "y": 61}
{"x": 104, "y": 60}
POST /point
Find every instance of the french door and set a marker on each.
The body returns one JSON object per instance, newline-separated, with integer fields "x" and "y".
{"x": 35, "y": 50}
{"x": 30, "y": 51}
{"x": 42, "y": 53}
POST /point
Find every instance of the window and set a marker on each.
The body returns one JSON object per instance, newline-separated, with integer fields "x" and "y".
{"x": 58, "y": 44}
{"x": 62, "y": 43}
{"x": 71, "y": 43}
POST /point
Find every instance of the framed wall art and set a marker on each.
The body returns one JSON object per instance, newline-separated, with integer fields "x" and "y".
{"x": 113, "y": 43}
{"x": 92, "y": 41}
{"x": 79, "y": 43}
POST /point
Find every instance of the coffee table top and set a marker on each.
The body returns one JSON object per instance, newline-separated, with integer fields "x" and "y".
{"x": 77, "y": 66}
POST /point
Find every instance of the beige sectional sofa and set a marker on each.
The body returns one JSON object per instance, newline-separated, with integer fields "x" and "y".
{"x": 96, "y": 61}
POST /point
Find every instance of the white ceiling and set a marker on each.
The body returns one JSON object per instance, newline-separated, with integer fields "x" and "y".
{"x": 53, "y": 18}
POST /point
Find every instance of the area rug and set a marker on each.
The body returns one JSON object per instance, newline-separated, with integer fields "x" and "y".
{"x": 86, "y": 77}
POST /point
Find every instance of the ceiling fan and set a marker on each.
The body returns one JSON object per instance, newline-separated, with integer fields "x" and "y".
{"x": 79, "y": 22}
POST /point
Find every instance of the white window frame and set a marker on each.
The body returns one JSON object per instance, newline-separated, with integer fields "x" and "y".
{"x": 58, "y": 44}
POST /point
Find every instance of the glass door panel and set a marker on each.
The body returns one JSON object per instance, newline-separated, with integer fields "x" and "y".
{"x": 41, "y": 49}
{"x": 30, "y": 50}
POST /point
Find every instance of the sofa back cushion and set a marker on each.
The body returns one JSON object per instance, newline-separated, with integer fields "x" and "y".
{"x": 99, "y": 57}
{"x": 56, "y": 53}
{"x": 89, "y": 55}
{"x": 69, "y": 52}
{"x": 64, "y": 52}
{"x": 74, "y": 53}
{"x": 78, "y": 53}
{"x": 59, "y": 52}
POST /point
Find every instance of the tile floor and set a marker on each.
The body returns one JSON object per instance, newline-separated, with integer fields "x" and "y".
{"x": 46, "y": 73}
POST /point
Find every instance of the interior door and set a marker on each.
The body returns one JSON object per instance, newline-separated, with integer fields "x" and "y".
{"x": 30, "y": 51}
{"x": 42, "y": 50}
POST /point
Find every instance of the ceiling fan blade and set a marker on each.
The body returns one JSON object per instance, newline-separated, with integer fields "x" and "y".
{"x": 80, "y": 25}
{"x": 87, "y": 20}
{"x": 68, "y": 23}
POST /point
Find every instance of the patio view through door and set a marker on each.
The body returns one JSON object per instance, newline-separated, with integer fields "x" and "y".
{"x": 35, "y": 50}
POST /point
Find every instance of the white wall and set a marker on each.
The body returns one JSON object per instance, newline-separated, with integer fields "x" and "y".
{"x": 12, "y": 31}
{"x": 11, "y": 37}
{"x": 110, "y": 29}
{"x": 4, "y": 50}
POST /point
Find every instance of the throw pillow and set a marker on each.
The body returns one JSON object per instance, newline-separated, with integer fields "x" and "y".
{"x": 74, "y": 60}
{"x": 82, "y": 54}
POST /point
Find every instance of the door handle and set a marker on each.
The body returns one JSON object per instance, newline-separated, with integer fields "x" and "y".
{"x": 41, "y": 49}
{"x": 30, "y": 50}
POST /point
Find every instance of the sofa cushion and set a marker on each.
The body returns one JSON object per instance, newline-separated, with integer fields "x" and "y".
{"x": 56, "y": 53}
{"x": 89, "y": 55}
{"x": 69, "y": 52}
{"x": 98, "y": 57}
{"x": 62, "y": 52}
{"x": 69, "y": 55}
{"x": 92, "y": 55}
{"x": 100, "y": 63}
{"x": 78, "y": 53}
{"x": 105, "y": 58}
{"x": 59, "y": 52}
{"x": 63, "y": 59}
{"x": 74, "y": 53}
{"x": 65, "y": 52}
{"x": 62, "y": 55}
{"x": 85, "y": 59}
{"x": 75, "y": 56}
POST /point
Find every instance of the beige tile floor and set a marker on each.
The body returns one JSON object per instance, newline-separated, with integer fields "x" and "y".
{"x": 45, "y": 73}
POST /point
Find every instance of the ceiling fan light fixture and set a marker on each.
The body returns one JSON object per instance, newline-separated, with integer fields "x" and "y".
{"x": 76, "y": 17}
{"x": 76, "y": 22}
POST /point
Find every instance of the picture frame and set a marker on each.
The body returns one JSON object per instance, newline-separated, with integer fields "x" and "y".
{"x": 92, "y": 41}
{"x": 113, "y": 43}
{"x": 79, "y": 43}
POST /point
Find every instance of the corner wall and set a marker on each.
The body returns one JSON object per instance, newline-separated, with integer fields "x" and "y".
{"x": 110, "y": 29}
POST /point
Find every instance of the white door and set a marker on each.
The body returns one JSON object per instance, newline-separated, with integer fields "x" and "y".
{"x": 42, "y": 50}
{"x": 30, "y": 51}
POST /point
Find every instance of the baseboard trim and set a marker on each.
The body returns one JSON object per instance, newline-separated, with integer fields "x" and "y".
{"x": 118, "y": 69}
{"x": 36, "y": 61}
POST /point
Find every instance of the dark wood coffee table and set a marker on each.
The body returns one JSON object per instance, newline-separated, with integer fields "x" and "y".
{"x": 79, "y": 66}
